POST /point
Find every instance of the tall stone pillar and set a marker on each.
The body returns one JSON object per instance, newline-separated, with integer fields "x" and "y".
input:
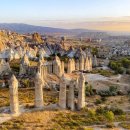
{"x": 44, "y": 71}
{"x": 24, "y": 65}
{"x": 41, "y": 73}
{"x": 90, "y": 64}
{"x": 73, "y": 64}
{"x": 76, "y": 83}
{"x": 62, "y": 93}
{"x": 86, "y": 66}
{"x": 62, "y": 67}
{"x": 77, "y": 65}
{"x": 57, "y": 67}
{"x": 70, "y": 65}
{"x": 71, "y": 103}
{"x": 50, "y": 67}
{"x": 81, "y": 92}
{"x": 94, "y": 61}
{"x": 40, "y": 67}
{"x": 38, "y": 91}
{"x": 13, "y": 89}
{"x": 81, "y": 62}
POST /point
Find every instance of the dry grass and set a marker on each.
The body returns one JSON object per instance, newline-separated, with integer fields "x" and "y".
{"x": 33, "y": 120}
{"x": 47, "y": 120}
{"x": 54, "y": 120}
{"x": 122, "y": 102}
{"x": 27, "y": 96}
{"x": 4, "y": 97}
{"x": 33, "y": 63}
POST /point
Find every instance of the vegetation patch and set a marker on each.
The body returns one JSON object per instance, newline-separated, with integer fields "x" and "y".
{"x": 106, "y": 73}
{"x": 120, "y": 65}
{"x": 125, "y": 125}
{"x": 26, "y": 95}
{"x": 15, "y": 65}
{"x": 113, "y": 91}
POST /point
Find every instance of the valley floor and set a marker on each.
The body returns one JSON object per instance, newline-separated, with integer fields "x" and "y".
{"x": 55, "y": 119}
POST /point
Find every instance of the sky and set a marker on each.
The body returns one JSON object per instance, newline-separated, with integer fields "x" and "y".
{"x": 92, "y": 14}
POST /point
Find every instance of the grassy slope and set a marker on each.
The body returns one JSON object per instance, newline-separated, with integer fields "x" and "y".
{"x": 55, "y": 119}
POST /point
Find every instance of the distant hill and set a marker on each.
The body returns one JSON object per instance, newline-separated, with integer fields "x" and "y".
{"x": 25, "y": 28}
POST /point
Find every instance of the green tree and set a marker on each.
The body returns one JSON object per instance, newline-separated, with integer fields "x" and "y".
{"x": 95, "y": 51}
{"x": 125, "y": 62}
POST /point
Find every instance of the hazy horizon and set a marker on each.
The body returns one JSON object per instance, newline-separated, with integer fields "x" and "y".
{"x": 107, "y": 15}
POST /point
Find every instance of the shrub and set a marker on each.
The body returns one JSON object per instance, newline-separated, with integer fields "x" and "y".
{"x": 95, "y": 51}
{"x": 15, "y": 65}
{"x": 101, "y": 110}
{"x": 125, "y": 62}
{"x": 89, "y": 91}
{"x": 91, "y": 113}
{"x": 104, "y": 93}
{"x": 106, "y": 73}
{"x": 119, "y": 66}
{"x": 125, "y": 125}
{"x": 120, "y": 92}
{"x": 128, "y": 71}
{"x": 110, "y": 116}
{"x": 111, "y": 92}
{"x": 114, "y": 93}
{"x": 117, "y": 111}
{"x": 110, "y": 125}
{"x": 98, "y": 101}
{"x": 120, "y": 70}
{"x": 25, "y": 82}
{"x": 87, "y": 94}
{"x": 103, "y": 99}
{"x": 113, "y": 88}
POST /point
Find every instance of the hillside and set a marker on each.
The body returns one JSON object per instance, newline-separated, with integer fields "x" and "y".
{"x": 25, "y": 28}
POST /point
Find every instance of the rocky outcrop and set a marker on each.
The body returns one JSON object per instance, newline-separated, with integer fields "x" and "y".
{"x": 81, "y": 93}
{"x": 57, "y": 70}
{"x": 36, "y": 37}
{"x": 13, "y": 88}
{"x": 4, "y": 67}
{"x": 24, "y": 65}
{"x": 38, "y": 91}
{"x": 62, "y": 93}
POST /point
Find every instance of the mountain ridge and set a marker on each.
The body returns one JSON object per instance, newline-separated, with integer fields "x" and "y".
{"x": 26, "y": 28}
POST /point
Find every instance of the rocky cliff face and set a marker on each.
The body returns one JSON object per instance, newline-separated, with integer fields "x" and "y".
{"x": 36, "y": 37}
{"x": 8, "y": 39}
{"x": 2, "y": 46}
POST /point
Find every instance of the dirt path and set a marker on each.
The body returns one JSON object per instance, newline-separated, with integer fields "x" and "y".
{"x": 95, "y": 77}
{"x": 111, "y": 80}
